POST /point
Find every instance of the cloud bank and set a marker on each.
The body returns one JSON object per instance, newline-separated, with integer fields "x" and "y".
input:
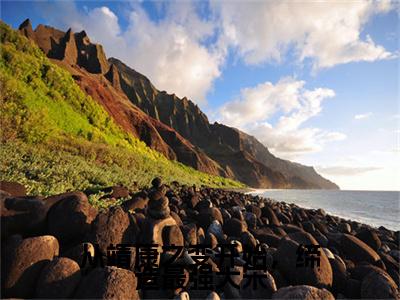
{"x": 185, "y": 50}
{"x": 295, "y": 105}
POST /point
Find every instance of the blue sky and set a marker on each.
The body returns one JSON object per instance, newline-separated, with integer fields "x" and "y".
{"x": 317, "y": 83}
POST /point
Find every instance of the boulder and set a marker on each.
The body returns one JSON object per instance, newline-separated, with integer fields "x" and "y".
{"x": 208, "y": 215}
{"x": 108, "y": 283}
{"x": 138, "y": 201}
{"x": 344, "y": 227}
{"x": 377, "y": 284}
{"x": 153, "y": 228}
{"x": 339, "y": 275}
{"x": 24, "y": 215}
{"x": 234, "y": 227}
{"x": 215, "y": 228}
{"x": 249, "y": 242}
{"x": 172, "y": 236}
{"x": 112, "y": 227}
{"x": 77, "y": 252}
{"x": 158, "y": 207}
{"x": 268, "y": 213}
{"x": 304, "y": 292}
{"x": 254, "y": 209}
{"x": 361, "y": 270}
{"x": 116, "y": 192}
{"x": 270, "y": 239}
{"x": 70, "y": 217}
{"x": 356, "y": 250}
{"x": 177, "y": 218}
{"x": 189, "y": 232}
{"x": 26, "y": 263}
{"x": 257, "y": 285}
{"x": 15, "y": 189}
{"x": 156, "y": 182}
{"x": 58, "y": 279}
{"x": 286, "y": 258}
{"x": 370, "y": 237}
{"x": 303, "y": 237}
{"x": 353, "y": 289}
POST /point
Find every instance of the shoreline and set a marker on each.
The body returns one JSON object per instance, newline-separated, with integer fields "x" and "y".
{"x": 334, "y": 211}
{"x": 356, "y": 260}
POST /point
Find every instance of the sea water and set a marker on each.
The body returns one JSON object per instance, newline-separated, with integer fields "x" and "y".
{"x": 375, "y": 208}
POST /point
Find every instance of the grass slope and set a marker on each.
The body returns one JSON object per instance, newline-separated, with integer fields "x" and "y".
{"x": 55, "y": 138}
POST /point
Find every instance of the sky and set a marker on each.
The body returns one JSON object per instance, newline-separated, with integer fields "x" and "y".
{"x": 315, "y": 82}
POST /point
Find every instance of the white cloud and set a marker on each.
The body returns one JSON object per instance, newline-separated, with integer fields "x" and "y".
{"x": 345, "y": 170}
{"x": 329, "y": 33}
{"x": 363, "y": 116}
{"x": 170, "y": 51}
{"x": 296, "y": 105}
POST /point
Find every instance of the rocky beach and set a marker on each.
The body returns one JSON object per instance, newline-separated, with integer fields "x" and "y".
{"x": 46, "y": 240}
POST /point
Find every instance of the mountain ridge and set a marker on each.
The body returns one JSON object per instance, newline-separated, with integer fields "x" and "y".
{"x": 171, "y": 125}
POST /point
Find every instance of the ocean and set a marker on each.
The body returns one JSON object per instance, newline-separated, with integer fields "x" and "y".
{"x": 375, "y": 208}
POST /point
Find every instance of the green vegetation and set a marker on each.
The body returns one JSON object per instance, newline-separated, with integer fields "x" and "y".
{"x": 55, "y": 138}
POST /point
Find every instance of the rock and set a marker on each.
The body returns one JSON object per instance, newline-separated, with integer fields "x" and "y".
{"x": 321, "y": 238}
{"x": 15, "y": 189}
{"x": 70, "y": 218}
{"x": 308, "y": 226}
{"x": 286, "y": 258}
{"x": 328, "y": 253}
{"x": 302, "y": 237}
{"x": 211, "y": 241}
{"x": 251, "y": 220}
{"x": 76, "y": 252}
{"x": 395, "y": 254}
{"x": 234, "y": 227}
{"x": 117, "y": 191}
{"x": 108, "y": 283}
{"x": 268, "y": 213}
{"x": 370, "y": 237}
{"x": 361, "y": 270}
{"x": 353, "y": 289}
{"x": 215, "y": 228}
{"x": 25, "y": 264}
{"x": 24, "y": 215}
{"x": 158, "y": 208}
{"x": 257, "y": 285}
{"x": 304, "y": 292}
{"x": 172, "y": 236}
{"x": 290, "y": 228}
{"x": 182, "y": 296}
{"x": 176, "y": 217}
{"x": 156, "y": 182}
{"x": 190, "y": 234}
{"x": 377, "y": 284}
{"x": 272, "y": 240}
{"x": 193, "y": 201}
{"x": 208, "y": 215}
{"x": 112, "y": 227}
{"x": 249, "y": 242}
{"x": 357, "y": 250}
{"x": 345, "y": 228}
{"x": 152, "y": 232}
{"x": 58, "y": 279}
{"x": 138, "y": 201}
{"x": 339, "y": 275}
{"x": 4, "y": 195}
{"x": 255, "y": 210}
{"x": 213, "y": 296}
